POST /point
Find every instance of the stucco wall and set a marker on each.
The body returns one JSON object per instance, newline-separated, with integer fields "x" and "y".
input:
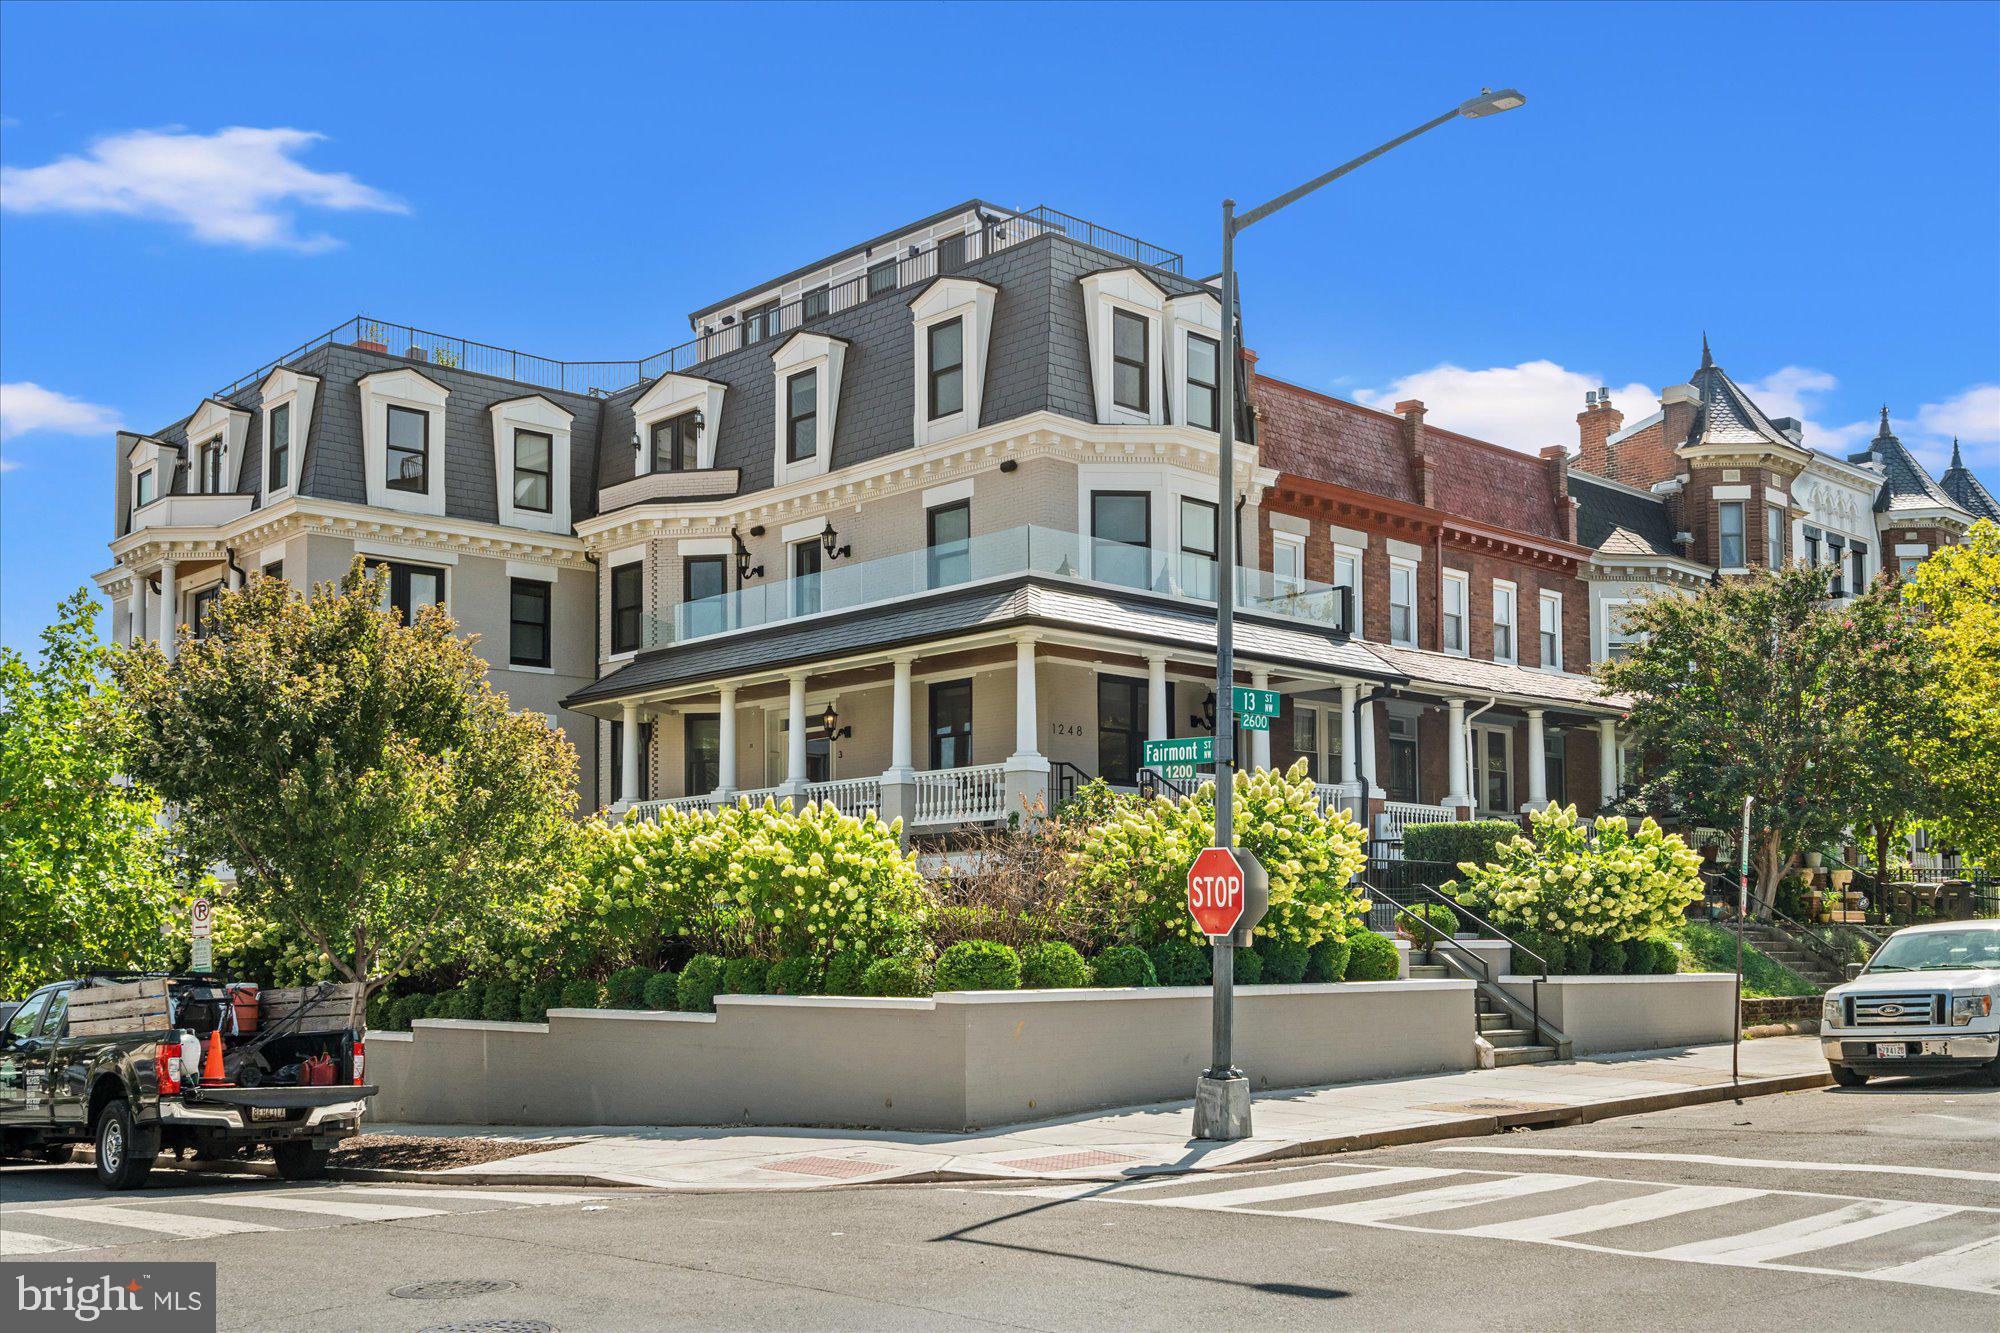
{"x": 1600, "y": 1014}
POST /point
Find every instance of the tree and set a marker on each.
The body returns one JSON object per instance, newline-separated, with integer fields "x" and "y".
{"x": 368, "y": 786}
{"x": 1756, "y": 687}
{"x": 1957, "y": 594}
{"x": 85, "y": 874}
{"x": 1895, "y": 722}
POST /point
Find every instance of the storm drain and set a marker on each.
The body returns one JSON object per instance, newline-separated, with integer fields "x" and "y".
{"x": 494, "y": 1326}
{"x": 451, "y": 1288}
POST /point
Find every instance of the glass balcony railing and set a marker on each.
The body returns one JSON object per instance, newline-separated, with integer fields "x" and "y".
{"x": 999, "y": 555}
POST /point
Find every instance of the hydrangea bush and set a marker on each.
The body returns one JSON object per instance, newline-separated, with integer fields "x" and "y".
{"x": 1563, "y": 882}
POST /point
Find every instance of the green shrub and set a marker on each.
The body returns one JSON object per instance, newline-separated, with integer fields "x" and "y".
{"x": 844, "y": 972}
{"x": 1053, "y": 965}
{"x": 540, "y": 997}
{"x": 1653, "y": 957}
{"x": 895, "y": 978}
{"x": 627, "y": 988}
{"x": 1123, "y": 965}
{"x": 1554, "y": 955}
{"x": 1249, "y": 968}
{"x": 1476, "y": 840}
{"x": 1284, "y": 961}
{"x": 700, "y": 982}
{"x": 1713, "y": 949}
{"x": 581, "y": 993}
{"x": 661, "y": 991}
{"x": 401, "y": 1010}
{"x": 1329, "y": 960}
{"x": 469, "y": 1000}
{"x": 1607, "y": 957}
{"x": 1438, "y": 922}
{"x": 378, "y": 1015}
{"x": 502, "y": 1001}
{"x": 978, "y": 965}
{"x": 745, "y": 976}
{"x": 1179, "y": 962}
{"x": 790, "y": 976}
{"x": 1371, "y": 957}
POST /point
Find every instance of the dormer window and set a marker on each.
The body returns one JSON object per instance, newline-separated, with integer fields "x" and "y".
{"x": 286, "y": 398}
{"x": 533, "y": 454}
{"x": 801, "y": 416}
{"x": 409, "y": 450}
{"x": 278, "y": 470}
{"x": 953, "y": 320}
{"x": 209, "y": 463}
{"x": 1204, "y": 355}
{"x": 947, "y": 368}
{"x": 1128, "y": 319}
{"x": 674, "y": 444}
{"x": 142, "y": 491}
{"x": 1130, "y": 362}
{"x": 806, "y": 373}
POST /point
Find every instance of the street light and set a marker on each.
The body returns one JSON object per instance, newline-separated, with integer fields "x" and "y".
{"x": 1222, "y": 1101}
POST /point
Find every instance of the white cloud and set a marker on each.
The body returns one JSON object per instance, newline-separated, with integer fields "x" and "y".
{"x": 26, "y": 406}
{"x": 1973, "y": 416}
{"x": 1525, "y": 407}
{"x": 238, "y": 186}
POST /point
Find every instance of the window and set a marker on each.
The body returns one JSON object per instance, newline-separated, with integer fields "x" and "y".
{"x": 674, "y": 444}
{"x": 948, "y": 544}
{"x": 22, "y": 1025}
{"x": 209, "y": 479}
{"x": 142, "y": 491}
{"x": 1812, "y": 546}
{"x": 281, "y": 448}
{"x": 1453, "y": 621}
{"x": 946, "y": 344}
{"x": 1121, "y": 729}
{"x": 531, "y": 470}
{"x": 701, "y": 753}
{"x": 801, "y": 416}
{"x": 1402, "y": 603}
{"x": 1288, "y": 563}
{"x": 1496, "y": 778}
{"x": 409, "y": 450}
{"x": 1129, "y": 362}
{"x": 1554, "y": 769}
{"x": 1203, "y": 391}
{"x": 815, "y": 303}
{"x": 528, "y": 623}
{"x": 1774, "y": 536}
{"x": 704, "y": 580}
{"x": 1305, "y": 739}
{"x": 412, "y": 588}
{"x": 805, "y": 577}
{"x": 1618, "y": 640}
{"x": 1503, "y": 621}
{"x": 618, "y": 762}
{"x": 1837, "y": 559}
{"x": 1858, "y": 554}
{"x": 1402, "y": 782}
{"x": 1552, "y": 630}
{"x": 628, "y": 590}
{"x": 882, "y": 277}
{"x": 1347, "y": 574}
{"x": 1198, "y": 547}
{"x": 198, "y": 610}
{"x": 760, "y": 323}
{"x": 1907, "y": 565}
{"x": 275, "y": 570}
{"x": 1729, "y": 534}
{"x": 951, "y": 724}
{"x": 1121, "y": 531}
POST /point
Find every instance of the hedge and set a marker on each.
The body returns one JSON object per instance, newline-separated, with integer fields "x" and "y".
{"x": 626, "y": 988}
{"x": 791, "y": 976}
{"x": 1329, "y": 960}
{"x": 502, "y": 1002}
{"x": 978, "y": 965}
{"x": 1475, "y": 840}
{"x": 538, "y": 998}
{"x": 581, "y": 993}
{"x": 1284, "y": 961}
{"x": 895, "y": 978}
{"x": 1053, "y": 965}
{"x": 1180, "y": 962}
{"x": 745, "y": 976}
{"x": 662, "y": 991}
{"x": 1371, "y": 957}
{"x": 1249, "y": 967}
{"x": 844, "y": 972}
{"x": 1123, "y": 965}
{"x": 700, "y": 982}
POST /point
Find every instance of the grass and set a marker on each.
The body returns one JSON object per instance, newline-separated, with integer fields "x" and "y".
{"x": 1706, "y": 948}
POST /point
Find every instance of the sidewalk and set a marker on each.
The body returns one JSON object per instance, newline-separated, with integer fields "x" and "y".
{"x": 1140, "y": 1140}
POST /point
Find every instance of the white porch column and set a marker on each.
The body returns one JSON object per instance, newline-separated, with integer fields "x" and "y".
{"x": 1027, "y": 719}
{"x": 1364, "y": 745}
{"x": 170, "y": 616}
{"x": 1350, "y": 754}
{"x": 794, "y": 784}
{"x": 1607, "y": 762}
{"x": 1538, "y": 764}
{"x": 1458, "y": 760}
{"x": 628, "y": 754}
{"x": 1260, "y": 741}
{"x": 725, "y": 741}
{"x": 1156, "y": 698}
{"x": 902, "y": 762}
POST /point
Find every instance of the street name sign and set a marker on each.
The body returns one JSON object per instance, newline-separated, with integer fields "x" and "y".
{"x": 1179, "y": 760}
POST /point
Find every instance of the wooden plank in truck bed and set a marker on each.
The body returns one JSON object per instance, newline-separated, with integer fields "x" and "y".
{"x": 105, "y": 992}
{"x": 128, "y": 1006}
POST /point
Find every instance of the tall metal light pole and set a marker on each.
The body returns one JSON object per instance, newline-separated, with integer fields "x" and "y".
{"x": 1222, "y": 1095}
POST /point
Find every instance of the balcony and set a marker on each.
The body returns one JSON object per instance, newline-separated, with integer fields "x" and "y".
{"x": 993, "y": 557}
{"x": 190, "y": 511}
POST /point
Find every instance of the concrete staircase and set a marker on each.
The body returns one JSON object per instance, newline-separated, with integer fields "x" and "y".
{"x": 1496, "y": 1026}
{"x": 1773, "y": 942}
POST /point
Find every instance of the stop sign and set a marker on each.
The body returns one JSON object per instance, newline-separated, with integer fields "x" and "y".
{"x": 1215, "y": 890}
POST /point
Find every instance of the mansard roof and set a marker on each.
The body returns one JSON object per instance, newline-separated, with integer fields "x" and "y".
{"x": 1618, "y": 520}
{"x": 1971, "y": 494}
{"x": 1906, "y": 486}
{"x": 1726, "y": 415}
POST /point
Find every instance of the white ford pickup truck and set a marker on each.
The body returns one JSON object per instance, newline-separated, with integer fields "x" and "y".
{"x": 1927, "y": 1003}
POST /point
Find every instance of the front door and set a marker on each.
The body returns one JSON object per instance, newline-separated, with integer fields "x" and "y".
{"x": 1493, "y": 759}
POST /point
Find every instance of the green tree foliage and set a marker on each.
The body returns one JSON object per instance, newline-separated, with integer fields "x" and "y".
{"x": 369, "y": 787}
{"x": 85, "y": 875}
{"x": 1957, "y": 592}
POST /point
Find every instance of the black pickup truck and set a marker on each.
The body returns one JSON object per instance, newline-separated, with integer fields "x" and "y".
{"x": 136, "y": 1093}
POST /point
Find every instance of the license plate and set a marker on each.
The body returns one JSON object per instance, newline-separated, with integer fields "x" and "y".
{"x": 278, "y": 1112}
{"x": 1890, "y": 1050}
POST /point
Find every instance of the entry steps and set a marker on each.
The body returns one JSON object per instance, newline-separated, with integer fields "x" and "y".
{"x": 1511, "y": 1045}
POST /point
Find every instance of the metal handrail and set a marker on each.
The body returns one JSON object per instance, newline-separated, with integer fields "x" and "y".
{"x": 1485, "y": 977}
{"x": 1151, "y": 783}
{"x": 1065, "y": 780}
{"x": 1462, "y": 910}
{"x": 1792, "y": 930}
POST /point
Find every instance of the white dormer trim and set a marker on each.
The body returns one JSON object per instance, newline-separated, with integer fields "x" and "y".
{"x": 533, "y": 413}
{"x": 402, "y": 388}
{"x": 211, "y": 419}
{"x": 147, "y": 454}
{"x": 1131, "y": 290}
{"x": 670, "y": 396}
{"x": 944, "y": 300}
{"x": 827, "y": 357}
{"x": 1197, "y": 313}
{"x": 285, "y": 388}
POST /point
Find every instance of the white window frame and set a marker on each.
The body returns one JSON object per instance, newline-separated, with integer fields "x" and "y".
{"x": 1607, "y": 609}
{"x": 1294, "y": 546}
{"x": 1130, "y": 290}
{"x": 530, "y": 571}
{"x": 403, "y": 388}
{"x": 801, "y": 353}
{"x": 1505, "y": 593}
{"x": 1356, "y": 555}
{"x": 1198, "y": 314}
{"x": 1742, "y": 507}
{"x": 215, "y": 417}
{"x": 1480, "y": 734}
{"x": 286, "y": 388}
{"x": 618, "y": 560}
{"x": 1549, "y": 611}
{"x": 1459, "y": 582}
{"x": 944, "y": 300}
{"x": 1408, "y": 568}
{"x": 543, "y": 416}
{"x": 671, "y": 396}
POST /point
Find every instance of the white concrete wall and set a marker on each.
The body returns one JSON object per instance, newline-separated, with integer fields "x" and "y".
{"x": 1642, "y": 1013}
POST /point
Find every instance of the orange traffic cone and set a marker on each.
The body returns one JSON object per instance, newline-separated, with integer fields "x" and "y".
{"x": 211, "y": 1070}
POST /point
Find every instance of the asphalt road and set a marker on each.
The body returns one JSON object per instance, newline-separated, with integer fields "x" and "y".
{"x": 1876, "y": 1208}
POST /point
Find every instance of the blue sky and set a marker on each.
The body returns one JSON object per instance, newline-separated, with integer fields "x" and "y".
{"x": 1816, "y": 186}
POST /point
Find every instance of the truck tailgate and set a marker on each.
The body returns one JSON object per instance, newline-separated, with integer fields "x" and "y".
{"x": 331, "y": 1094}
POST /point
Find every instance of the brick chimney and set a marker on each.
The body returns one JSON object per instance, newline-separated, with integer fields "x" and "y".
{"x": 1555, "y": 459}
{"x": 1411, "y": 410}
{"x": 1595, "y": 426}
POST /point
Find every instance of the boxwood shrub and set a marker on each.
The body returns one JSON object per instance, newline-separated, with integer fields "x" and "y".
{"x": 1329, "y": 960}
{"x": 1249, "y": 967}
{"x": 661, "y": 991}
{"x": 1284, "y": 961}
{"x": 1123, "y": 965}
{"x": 844, "y": 972}
{"x": 581, "y": 993}
{"x": 1179, "y": 962}
{"x": 791, "y": 976}
{"x": 626, "y": 988}
{"x": 745, "y": 976}
{"x": 1607, "y": 957}
{"x": 1469, "y": 840}
{"x": 978, "y": 965}
{"x": 1440, "y": 922}
{"x": 894, "y": 978}
{"x": 1053, "y": 965}
{"x": 699, "y": 983}
{"x": 1371, "y": 957}
{"x": 502, "y": 1001}
{"x": 539, "y": 998}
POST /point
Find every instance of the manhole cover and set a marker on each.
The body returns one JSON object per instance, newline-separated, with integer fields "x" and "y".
{"x": 494, "y": 1326}
{"x": 450, "y": 1288}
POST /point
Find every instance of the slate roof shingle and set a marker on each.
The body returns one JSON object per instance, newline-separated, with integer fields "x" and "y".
{"x": 1906, "y": 485}
{"x": 1616, "y": 521}
{"x": 1971, "y": 493}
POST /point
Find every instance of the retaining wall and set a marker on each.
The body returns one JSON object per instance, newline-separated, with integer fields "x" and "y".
{"x": 1637, "y": 1013}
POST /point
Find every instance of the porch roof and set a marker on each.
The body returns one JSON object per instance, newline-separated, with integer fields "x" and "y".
{"x": 1468, "y": 676}
{"x": 1030, "y": 601}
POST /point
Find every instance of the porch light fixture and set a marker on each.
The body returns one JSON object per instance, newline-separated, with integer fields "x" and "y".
{"x": 829, "y": 541}
{"x": 1206, "y": 717}
{"x": 830, "y": 720}
{"x": 745, "y": 571}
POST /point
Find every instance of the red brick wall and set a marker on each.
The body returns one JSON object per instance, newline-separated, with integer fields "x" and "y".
{"x": 1700, "y": 513}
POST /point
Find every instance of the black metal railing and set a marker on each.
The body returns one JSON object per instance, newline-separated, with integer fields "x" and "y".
{"x": 1720, "y": 891}
{"x": 1423, "y": 930}
{"x": 1065, "y": 781}
{"x": 1150, "y": 784}
{"x": 453, "y": 353}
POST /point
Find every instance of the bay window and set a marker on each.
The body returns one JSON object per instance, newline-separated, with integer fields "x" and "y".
{"x": 1729, "y": 534}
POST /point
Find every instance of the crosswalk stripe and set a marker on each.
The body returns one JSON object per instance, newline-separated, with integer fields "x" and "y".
{"x": 144, "y": 1219}
{"x": 1621, "y": 1213}
{"x": 1294, "y": 1189}
{"x": 24, "y": 1242}
{"x": 1822, "y": 1231}
{"x": 1973, "y": 1267}
{"x": 354, "y": 1210}
{"x": 497, "y": 1196}
{"x": 1761, "y": 1163}
{"x": 1441, "y": 1200}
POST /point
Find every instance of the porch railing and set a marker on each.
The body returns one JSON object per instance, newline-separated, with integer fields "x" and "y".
{"x": 1399, "y": 815}
{"x": 961, "y": 795}
{"x": 851, "y": 796}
